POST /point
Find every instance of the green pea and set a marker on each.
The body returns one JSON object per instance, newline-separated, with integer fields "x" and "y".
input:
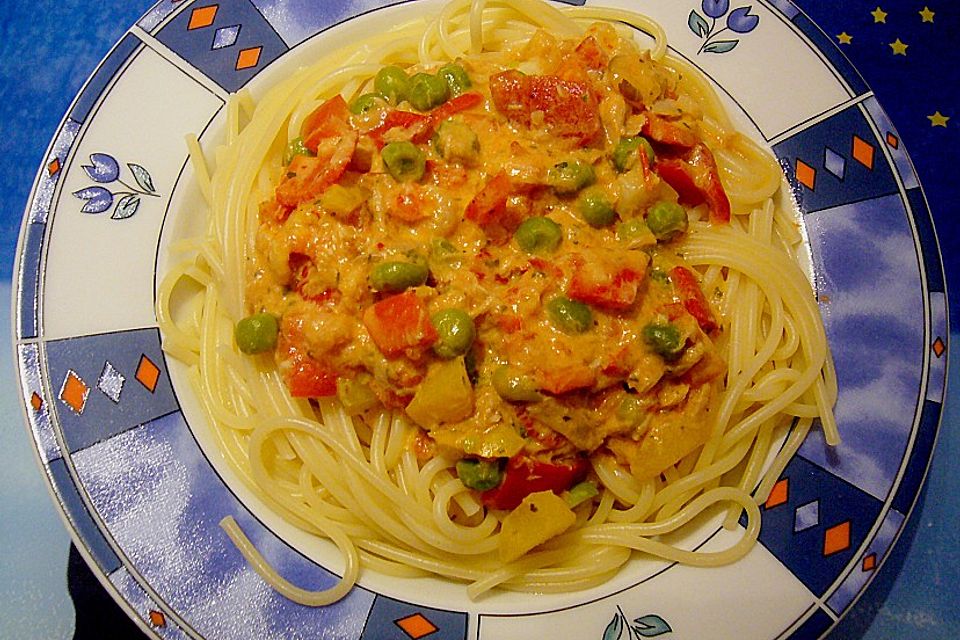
{"x": 455, "y": 331}
{"x": 295, "y": 148}
{"x": 570, "y": 316}
{"x": 427, "y": 91}
{"x": 366, "y": 102}
{"x": 570, "y": 176}
{"x": 456, "y": 78}
{"x": 624, "y": 155}
{"x": 631, "y": 411}
{"x": 404, "y": 161}
{"x": 456, "y": 142}
{"x": 397, "y": 276}
{"x": 538, "y": 235}
{"x": 257, "y": 333}
{"x": 664, "y": 338}
{"x": 667, "y": 220}
{"x": 513, "y": 386}
{"x": 392, "y": 82}
{"x": 595, "y": 208}
{"x": 481, "y": 475}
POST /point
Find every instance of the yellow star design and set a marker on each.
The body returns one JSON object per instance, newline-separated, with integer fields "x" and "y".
{"x": 938, "y": 119}
{"x": 879, "y": 15}
{"x": 926, "y": 15}
{"x": 899, "y": 48}
{"x": 845, "y": 38}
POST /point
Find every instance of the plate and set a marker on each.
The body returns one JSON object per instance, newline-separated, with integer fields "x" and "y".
{"x": 142, "y": 490}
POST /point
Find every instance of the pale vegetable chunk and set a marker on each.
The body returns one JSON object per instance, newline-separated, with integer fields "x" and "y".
{"x": 538, "y": 518}
{"x": 445, "y": 395}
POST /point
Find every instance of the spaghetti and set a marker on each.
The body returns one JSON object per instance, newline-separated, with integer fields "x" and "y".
{"x": 411, "y": 482}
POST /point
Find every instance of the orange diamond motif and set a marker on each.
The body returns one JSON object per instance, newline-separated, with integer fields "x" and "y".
{"x": 836, "y": 539}
{"x": 74, "y": 392}
{"x": 893, "y": 140}
{"x": 53, "y": 166}
{"x": 202, "y": 17}
{"x": 779, "y": 494}
{"x": 148, "y": 373}
{"x": 416, "y": 626}
{"x": 36, "y": 401}
{"x": 863, "y": 152}
{"x": 869, "y": 562}
{"x": 248, "y": 58}
{"x": 938, "y": 347}
{"x": 158, "y": 619}
{"x": 806, "y": 174}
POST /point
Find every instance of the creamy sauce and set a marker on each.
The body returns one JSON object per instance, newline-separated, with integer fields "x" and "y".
{"x": 603, "y": 388}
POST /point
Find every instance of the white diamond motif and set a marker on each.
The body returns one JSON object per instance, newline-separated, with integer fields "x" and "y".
{"x": 806, "y": 516}
{"x": 225, "y": 37}
{"x": 111, "y": 382}
{"x": 834, "y": 162}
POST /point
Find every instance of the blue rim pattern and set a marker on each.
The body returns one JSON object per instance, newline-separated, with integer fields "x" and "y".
{"x": 97, "y": 404}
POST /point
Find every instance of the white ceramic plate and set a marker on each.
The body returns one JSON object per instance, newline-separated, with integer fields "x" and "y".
{"x": 142, "y": 488}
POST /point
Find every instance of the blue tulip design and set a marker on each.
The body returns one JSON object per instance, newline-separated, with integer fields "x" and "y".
{"x": 97, "y": 199}
{"x": 715, "y": 8}
{"x": 742, "y": 21}
{"x": 104, "y": 169}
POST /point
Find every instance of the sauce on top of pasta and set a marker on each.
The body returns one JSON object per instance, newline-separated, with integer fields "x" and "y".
{"x": 490, "y": 247}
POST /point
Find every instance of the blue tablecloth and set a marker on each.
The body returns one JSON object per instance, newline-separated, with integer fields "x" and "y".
{"x": 904, "y": 49}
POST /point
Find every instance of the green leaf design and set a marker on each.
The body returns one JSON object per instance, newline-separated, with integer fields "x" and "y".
{"x": 613, "y": 629}
{"x": 721, "y": 46}
{"x": 697, "y": 24}
{"x": 142, "y": 176}
{"x": 126, "y": 207}
{"x": 651, "y": 626}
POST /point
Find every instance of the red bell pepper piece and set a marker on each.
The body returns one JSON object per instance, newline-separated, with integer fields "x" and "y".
{"x": 678, "y": 175}
{"x": 417, "y": 125}
{"x": 308, "y": 176}
{"x": 569, "y": 107}
{"x": 695, "y": 178}
{"x": 524, "y": 476}
{"x": 712, "y": 188}
{"x": 327, "y": 133}
{"x": 329, "y": 120}
{"x": 455, "y": 105}
{"x": 398, "y": 323}
{"x": 308, "y": 378}
{"x": 420, "y": 126}
{"x": 691, "y": 295}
